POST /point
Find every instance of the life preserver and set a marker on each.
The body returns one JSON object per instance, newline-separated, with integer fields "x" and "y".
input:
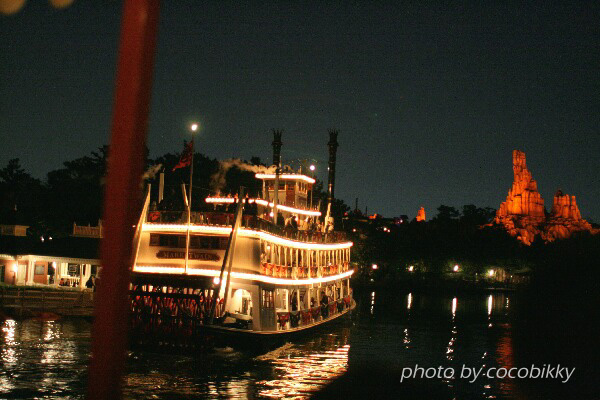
{"x": 154, "y": 216}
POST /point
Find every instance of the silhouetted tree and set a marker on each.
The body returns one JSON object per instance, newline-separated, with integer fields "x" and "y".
{"x": 22, "y": 197}
{"x": 75, "y": 192}
{"x": 473, "y": 215}
{"x": 446, "y": 213}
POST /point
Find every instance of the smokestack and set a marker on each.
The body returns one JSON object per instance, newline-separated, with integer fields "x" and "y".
{"x": 277, "y": 161}
{"x": 333, "y": 145}
{"x": 277, "y": 147}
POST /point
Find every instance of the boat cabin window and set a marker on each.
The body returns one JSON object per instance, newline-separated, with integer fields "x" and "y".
{"x": 73, "y": 269}
{"x": 267, "y": 299}
{"x": 196, "y": 242}
{"x": 304, "y": 298}
{"x": 281, "y": 299}
{"x": 241, "y": 302}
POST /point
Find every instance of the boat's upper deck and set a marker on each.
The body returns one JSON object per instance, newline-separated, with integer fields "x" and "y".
{"x": 175, "y": 220}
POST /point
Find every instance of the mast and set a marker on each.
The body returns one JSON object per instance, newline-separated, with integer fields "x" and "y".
{"x": 189, "y": 211}
{"x": 277, "y": 161}
{"x": 236, "y": 225}
{"x": 228, "y": 258}
{"x": 333, "y": 145}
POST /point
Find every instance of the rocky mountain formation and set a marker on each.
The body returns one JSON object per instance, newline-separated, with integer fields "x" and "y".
{"x": 421, "y": 214}
{"x": 523, "y": 214}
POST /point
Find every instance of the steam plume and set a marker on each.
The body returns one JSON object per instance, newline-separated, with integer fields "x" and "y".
{"x": 218, "y": 181}
{"x": 151, "y": 172}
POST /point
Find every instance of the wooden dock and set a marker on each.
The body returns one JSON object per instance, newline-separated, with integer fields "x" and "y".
{"x": 19, "y": 302}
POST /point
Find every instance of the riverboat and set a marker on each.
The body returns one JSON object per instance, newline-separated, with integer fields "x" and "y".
{"x": 233, "y": 269}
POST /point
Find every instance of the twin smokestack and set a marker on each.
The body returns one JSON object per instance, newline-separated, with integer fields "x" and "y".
{"x": 333, "y": 145}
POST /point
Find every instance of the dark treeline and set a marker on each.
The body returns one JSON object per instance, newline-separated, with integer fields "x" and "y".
{"x": 74, "y": 193}
{"x": 465, "y": 237}
{"x": 433, "y": 247}
{"x": 67, "y": 195}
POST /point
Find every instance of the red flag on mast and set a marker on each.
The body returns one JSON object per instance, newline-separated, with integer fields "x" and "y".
{"x": 186, "y": 156}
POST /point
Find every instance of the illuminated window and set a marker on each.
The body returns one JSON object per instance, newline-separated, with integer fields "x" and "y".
{"x": 196, "y": 242}
{"x": 267, "y": 299}
{"x": 73, "y": 269}
{"x": 281, "y": 299}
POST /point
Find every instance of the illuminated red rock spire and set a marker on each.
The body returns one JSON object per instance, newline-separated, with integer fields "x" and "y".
{"x": 421, "y": 214}
{"x": 522, "y": 214}
{"x": 523, "y": 198}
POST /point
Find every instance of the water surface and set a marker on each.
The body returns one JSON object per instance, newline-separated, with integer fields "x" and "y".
{"x": 388, "y": 331}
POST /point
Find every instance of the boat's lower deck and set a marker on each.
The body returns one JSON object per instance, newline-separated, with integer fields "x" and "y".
{"x": 287, "y": 330}
{"x": 174, "y": 301}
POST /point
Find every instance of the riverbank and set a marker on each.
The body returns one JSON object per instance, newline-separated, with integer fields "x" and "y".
{"x": 437, "y": 286}
{"x": 47, "y": 303}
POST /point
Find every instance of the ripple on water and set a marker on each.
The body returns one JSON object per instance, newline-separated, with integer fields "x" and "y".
{"x": 48, "y": 359}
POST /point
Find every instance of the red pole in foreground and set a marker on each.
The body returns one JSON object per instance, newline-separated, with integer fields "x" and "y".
{"x": 123, "y": 196}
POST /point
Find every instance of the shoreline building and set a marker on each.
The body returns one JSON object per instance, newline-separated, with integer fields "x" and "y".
{"x": 27, "y": 261}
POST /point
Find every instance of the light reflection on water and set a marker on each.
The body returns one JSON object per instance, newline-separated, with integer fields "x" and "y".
{"x": 49, "y": 358}
{"x": 9, "y": 353}
{"x": 305, "y": 374}
{"x": 454, "y": 304}
{"x": 9, "y": 350}
{"x": 432, "y": 330}
{"x": 37, "y": 361}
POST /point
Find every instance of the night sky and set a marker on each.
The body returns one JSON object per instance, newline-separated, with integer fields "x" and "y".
{"x": 429, "y": 100}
